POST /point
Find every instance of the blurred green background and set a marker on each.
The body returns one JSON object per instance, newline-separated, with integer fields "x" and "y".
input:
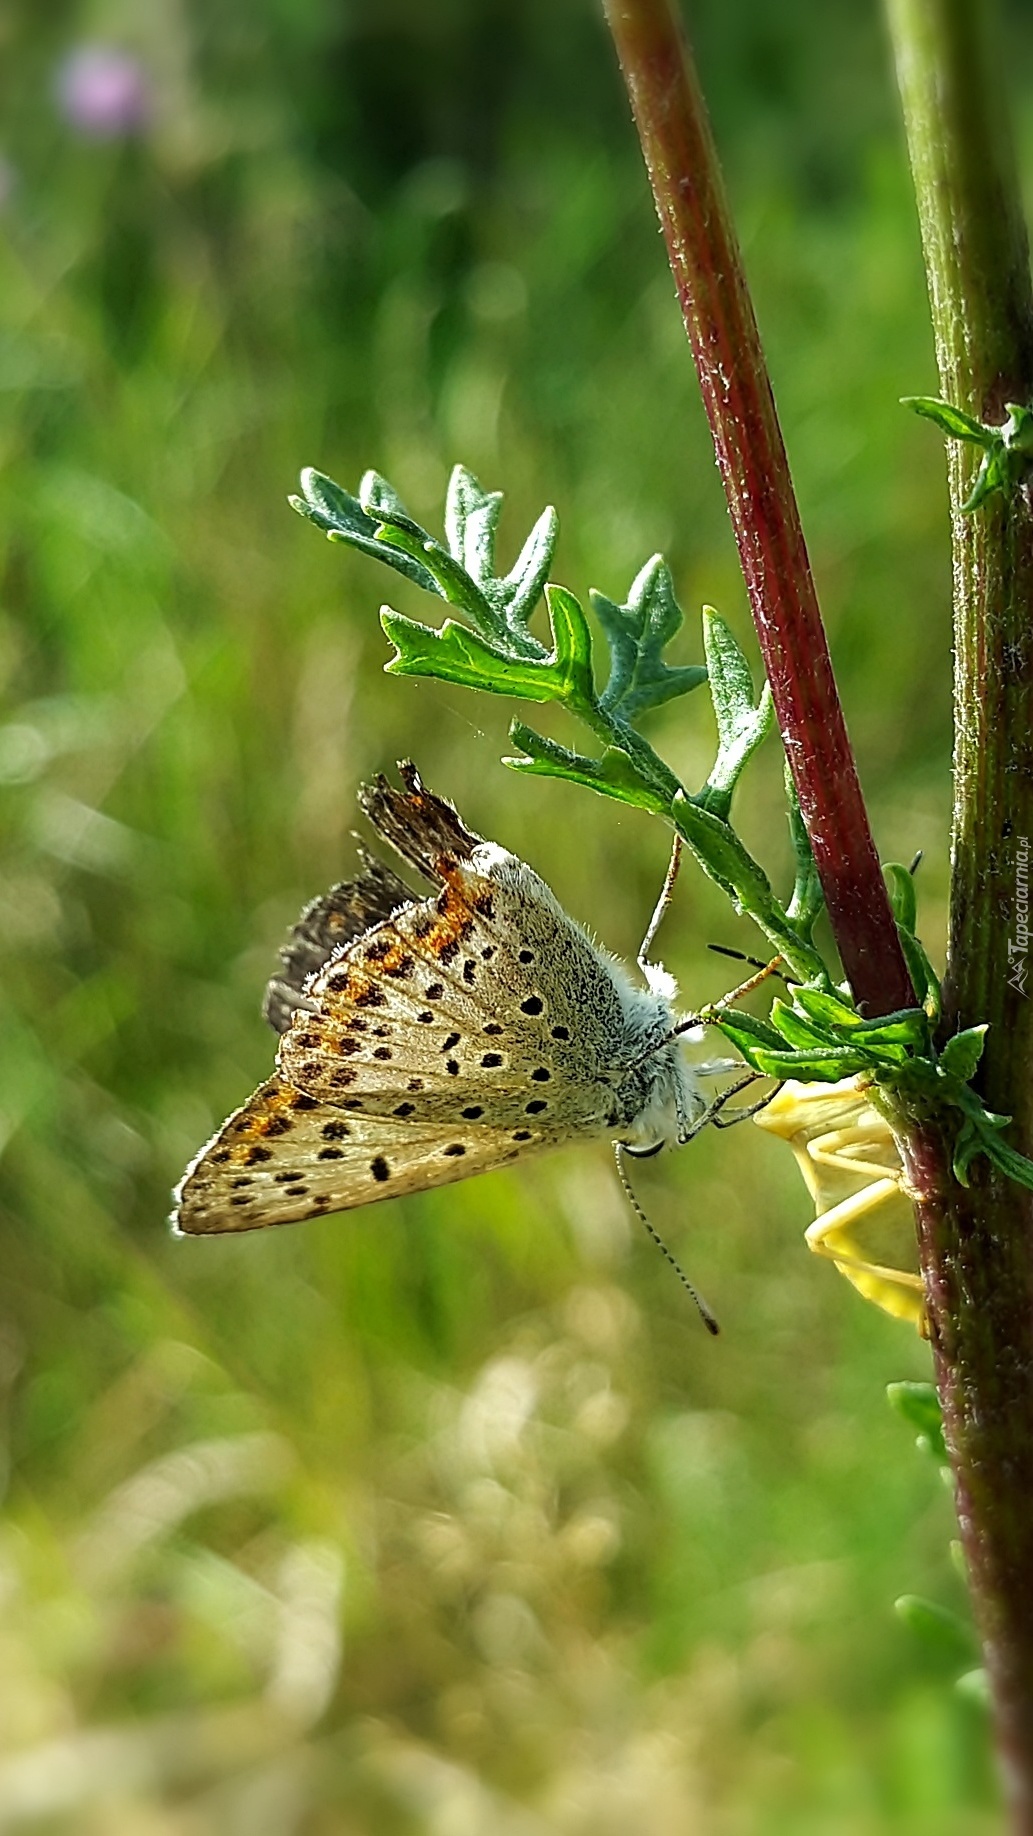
{"x": 444, "y": 1518}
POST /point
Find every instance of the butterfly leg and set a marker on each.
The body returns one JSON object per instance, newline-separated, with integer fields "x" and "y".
{"x": 712, "y": 1113}
{"x": 660, "y": 911}
{"x": 750, "y": 1110}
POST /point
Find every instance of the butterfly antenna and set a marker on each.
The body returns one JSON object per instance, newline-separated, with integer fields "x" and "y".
{"x": 740, "y": 956}
{"x": 704, "y": 1311}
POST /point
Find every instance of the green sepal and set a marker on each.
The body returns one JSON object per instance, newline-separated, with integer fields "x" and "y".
{"x": 612, "y": 775}
{"x": 818, "y": 1066}
{"x": 744, "y": 1030}
{"x": 741, "y": 724}
{"x": 962, "y": 1053}
{"x": 637, "y": 634}
{"x": 765, "y": 1049}
{"x": 919, "y": 1405}
{"x": 826, "y": 1009}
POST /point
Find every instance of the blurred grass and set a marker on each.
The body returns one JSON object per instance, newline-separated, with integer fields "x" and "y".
{"x": 444, "y": 1517}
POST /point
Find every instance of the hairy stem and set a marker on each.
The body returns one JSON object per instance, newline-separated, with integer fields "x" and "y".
{"x": 975, "y": 1246}
{"x": 683, "y": 169}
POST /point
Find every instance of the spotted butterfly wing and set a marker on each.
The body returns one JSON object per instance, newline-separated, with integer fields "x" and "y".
{"x": 325, "y": 926}
{"x": 284, "y": 1156}
{"x": 449, "y": 1037}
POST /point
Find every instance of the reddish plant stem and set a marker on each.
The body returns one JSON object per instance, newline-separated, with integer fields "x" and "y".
{"x": 707, "y": 266}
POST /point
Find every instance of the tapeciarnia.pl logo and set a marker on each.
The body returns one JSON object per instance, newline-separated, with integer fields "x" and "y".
{"x": 1018, "y": 946}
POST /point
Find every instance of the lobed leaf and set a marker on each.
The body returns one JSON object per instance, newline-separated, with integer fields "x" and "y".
{"x": 637, "y": 634}
{"x": 953, "y": 421}
{"x": 741, "y": 724}
{"x": 612, "y": 775}
{"x": 344, "y": 519}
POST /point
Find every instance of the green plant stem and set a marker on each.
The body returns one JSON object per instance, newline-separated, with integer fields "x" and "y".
{"x": 976, "y": 1245}
{"x": 683, "y": 169}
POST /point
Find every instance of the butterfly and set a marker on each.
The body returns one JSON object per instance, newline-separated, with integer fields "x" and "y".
{"x": 426, "y": 1039}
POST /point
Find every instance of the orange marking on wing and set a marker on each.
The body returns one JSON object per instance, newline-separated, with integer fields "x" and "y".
{"x": 453, "y": 919}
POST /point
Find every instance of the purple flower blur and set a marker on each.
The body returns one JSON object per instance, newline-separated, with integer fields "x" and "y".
{"x": 103, "y": 92}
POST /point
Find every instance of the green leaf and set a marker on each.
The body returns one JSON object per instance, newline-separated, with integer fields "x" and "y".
{"x": 808, "y": 900}
{"x": 968, "y": 1143}
{"x": 923, "y": 976}
{"x": 637, "y": 634}
{"x": 524, "y": 585}
{"x": 953, "y": 421}
{"x": 471, "y": 525}
{"x": 741, "y": 726}
{"x": 826, "y": 1009}
{"x": 935, "y": 1625}
{"x": 980, "y": 1133}
{"x": 471, "y": 520}
{"x": 379, "y": 499}
{"x": 909, "y": 1026}
{"x": 457, "y": 654}
{"x": 994, "y": 475}
{"x": 814, "y": 1067}
{"x": 721, "y": 852}
{"x": 743, "y": 1029}
{"x": 343, "y": 519}
{"x": 962, "y": 1053}
{"x": 900, "y": 884}
{"x": 1017, "y": 432}
{"x": 612, "y": 775}
{"x": 722, "y": 855}
{"x": 1007, "y": 1159}
{"x": 1007, "y": 450}
{"x": 796, "y": 1030}
{"x": 975, "y": 1687}
{"x": 572, "y": 648}
{"x": 450, "y": 578}
{"x": 919, "y": 1405}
